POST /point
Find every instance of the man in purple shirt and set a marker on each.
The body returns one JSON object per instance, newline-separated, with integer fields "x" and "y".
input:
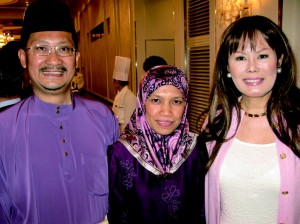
{"x": 53, "y": 163}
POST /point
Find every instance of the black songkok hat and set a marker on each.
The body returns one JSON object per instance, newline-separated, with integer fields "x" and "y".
{"x": 47, "y": 15}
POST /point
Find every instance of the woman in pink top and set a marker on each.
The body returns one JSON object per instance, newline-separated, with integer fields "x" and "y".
{"x": 253, "y": 128}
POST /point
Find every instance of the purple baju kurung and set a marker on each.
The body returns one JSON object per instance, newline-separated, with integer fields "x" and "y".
{"x": 155, "y": 177}
{"x": 170, "y": 199}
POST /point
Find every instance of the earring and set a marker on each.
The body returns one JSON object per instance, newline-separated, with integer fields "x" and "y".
{"x": 279, "y": 70}
{"x": 228, "y": 75}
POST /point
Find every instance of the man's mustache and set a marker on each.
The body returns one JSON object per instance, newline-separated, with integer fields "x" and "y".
{"x": 53, "y": 68}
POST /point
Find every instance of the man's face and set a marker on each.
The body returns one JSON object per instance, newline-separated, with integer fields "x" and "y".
{"x": 50, "y": 74}
{"x": 116, "y": 84}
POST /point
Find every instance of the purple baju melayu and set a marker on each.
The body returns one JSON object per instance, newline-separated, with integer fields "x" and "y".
{"x": 53, "y": 163}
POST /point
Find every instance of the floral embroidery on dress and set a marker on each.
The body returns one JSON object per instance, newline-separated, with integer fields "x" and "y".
{"x": 127, "y": 172}
{"x": 124, "y": 217}
{"x": 170, "y": 197}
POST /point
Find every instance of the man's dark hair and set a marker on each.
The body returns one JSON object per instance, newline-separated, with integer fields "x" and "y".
{"x": 11, "y": 70}
{"x": 123, "y": 83}
{"x": 152, "y": 61}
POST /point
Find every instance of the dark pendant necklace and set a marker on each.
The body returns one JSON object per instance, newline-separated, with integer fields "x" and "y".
{"x": 252, "y": 115}
{"x": 255, "y": 115}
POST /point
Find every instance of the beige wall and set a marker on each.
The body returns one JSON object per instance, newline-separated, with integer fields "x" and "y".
{"x": 291, "y": 27}
{"x": 154, "y": 32}
{"x": 97, "y": 57}
{"x": 149, "y": 31}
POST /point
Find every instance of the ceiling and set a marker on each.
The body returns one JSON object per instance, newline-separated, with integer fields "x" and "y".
{"x": 11, "y": 15}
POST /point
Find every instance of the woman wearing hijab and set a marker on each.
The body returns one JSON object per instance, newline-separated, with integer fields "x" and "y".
{"x": 156, "y": 168}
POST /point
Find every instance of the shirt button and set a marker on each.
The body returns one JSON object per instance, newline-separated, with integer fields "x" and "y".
{"x": 63, "y": 141}
{"x": 285, "y": 192}
{"x": 66, "y": 153}
{"x": 282, "y": 156}
{"x": 60, "y": 127}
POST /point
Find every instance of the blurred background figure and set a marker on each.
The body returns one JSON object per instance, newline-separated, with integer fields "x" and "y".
{"x": 77, "y": 85}
{"x": 11, "y": 78}
{"x": 125, "y": 100}
{"x": 152, "y": 61}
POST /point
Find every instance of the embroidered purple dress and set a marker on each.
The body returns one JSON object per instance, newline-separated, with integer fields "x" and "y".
{"x": 157, "y": 178}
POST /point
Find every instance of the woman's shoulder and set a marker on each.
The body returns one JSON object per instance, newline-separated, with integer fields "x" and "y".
{"x": 201, "y": 140}
{"x": 119, "y": 150}
{"x": 201, "y": 146}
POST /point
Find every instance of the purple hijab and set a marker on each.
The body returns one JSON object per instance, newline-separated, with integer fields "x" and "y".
{"x": 160, "y": 154}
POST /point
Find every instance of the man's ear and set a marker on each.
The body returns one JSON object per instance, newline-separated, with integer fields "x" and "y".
{"x": 77, "y": 56}
{"x": 22, "y": 57}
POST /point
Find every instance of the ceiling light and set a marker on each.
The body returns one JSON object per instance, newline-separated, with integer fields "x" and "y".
{"x": 5, "y": 38}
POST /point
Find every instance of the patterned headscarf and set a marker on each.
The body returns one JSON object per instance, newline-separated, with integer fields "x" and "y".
{"x": 160, "y": 154}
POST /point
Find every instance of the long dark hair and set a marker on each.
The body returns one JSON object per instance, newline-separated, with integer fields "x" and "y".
{"x": 283, "y": 109}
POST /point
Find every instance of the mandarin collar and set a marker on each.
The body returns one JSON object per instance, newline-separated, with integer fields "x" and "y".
{"x": 53, "y": 109}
